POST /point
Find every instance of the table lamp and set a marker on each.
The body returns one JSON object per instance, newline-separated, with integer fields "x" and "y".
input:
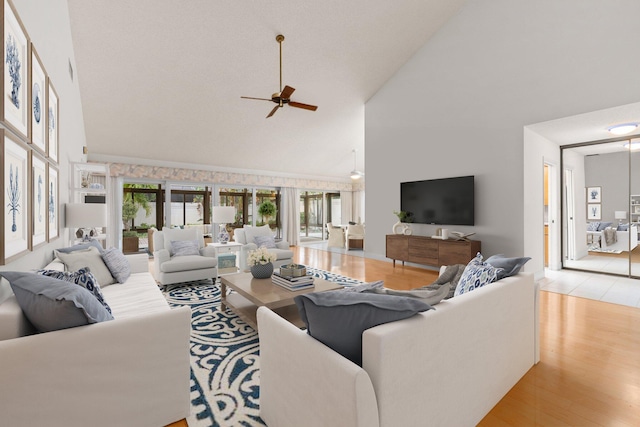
{"x": 620, "y": 215}
{"x": 223, "y": 215}
{"x": 85, "y": 217}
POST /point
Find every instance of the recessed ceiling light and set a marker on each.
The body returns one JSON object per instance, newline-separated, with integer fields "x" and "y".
{"x": 635, "y": 145}
{"x": 622, "y": 129}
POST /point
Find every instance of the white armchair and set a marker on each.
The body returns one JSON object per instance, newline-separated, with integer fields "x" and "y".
{"x": 355, "y": 236}
{"x": 249, "y": 238}
{"x": 171, "y": 267}
{"x": 336, "y": 236}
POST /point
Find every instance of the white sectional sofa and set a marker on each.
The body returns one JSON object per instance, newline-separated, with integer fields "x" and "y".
{"x": 130, "y": 371}
{"x": 443, "y": 367}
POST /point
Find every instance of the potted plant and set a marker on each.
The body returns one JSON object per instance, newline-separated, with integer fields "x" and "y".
{"x": 130, "y": 240}
{"x": 403, "y": 217}
{"x": 267, "y": 209}
{"x": 260, "y": 262}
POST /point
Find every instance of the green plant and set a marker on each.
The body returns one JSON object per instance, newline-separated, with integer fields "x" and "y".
{"x": 129, "y": 211}
{"x": 129, "y": 234}
{"x": 404, "y": 216}
{"x": 267, "y": 209}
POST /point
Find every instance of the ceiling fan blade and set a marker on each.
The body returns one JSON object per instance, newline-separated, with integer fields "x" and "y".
{"x": 305, "y": 106}
{"x": 259, "y": 99}
{"x": 273, "y": 111}
{"x": 286, "y": 92}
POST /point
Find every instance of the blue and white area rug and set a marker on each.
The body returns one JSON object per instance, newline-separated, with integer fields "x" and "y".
{"x": 225, "y": 376}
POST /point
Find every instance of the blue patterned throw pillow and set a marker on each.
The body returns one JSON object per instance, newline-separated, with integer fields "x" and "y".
{"x": 476, "y": 274}
{"x": 593, "y": 226}
{"x": 82, "y": 277}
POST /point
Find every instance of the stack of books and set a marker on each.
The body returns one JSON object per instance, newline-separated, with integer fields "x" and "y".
{"x": 292, "y": 283}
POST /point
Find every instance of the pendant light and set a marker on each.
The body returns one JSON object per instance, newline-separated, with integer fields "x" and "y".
{"x": 355, "y": 173}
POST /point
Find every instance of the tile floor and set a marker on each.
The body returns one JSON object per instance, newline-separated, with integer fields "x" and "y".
{"x": 600, "y": 287}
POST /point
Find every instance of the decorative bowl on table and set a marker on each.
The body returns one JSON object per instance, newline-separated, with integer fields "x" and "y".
{"x": 293, "y": 270}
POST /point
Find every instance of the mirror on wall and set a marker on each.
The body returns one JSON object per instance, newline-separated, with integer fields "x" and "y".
{"x": 601, "y": 207}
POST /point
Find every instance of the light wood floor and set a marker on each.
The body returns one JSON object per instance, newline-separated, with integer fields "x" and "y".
{"x": 589, "y": 373}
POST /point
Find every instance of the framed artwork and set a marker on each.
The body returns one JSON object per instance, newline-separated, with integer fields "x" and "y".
{"x": 37, "y": 104}
{"x": 593, "y": 211}
{"x": 594, "y": 194}
{"x": 52, "y": 122}
{"x": 38, "y": 200}
{"x": 15, "y": 72}
{"x": 53, "y": 214}
{"x": 15, "y": 199}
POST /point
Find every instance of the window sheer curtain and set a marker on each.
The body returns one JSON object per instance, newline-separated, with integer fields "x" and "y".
{"x": 358, "y": 206}
{"x": 346, "y": 204}
{"x": 291, "y": 215}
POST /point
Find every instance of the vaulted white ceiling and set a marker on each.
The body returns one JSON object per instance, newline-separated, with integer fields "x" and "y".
{"x": 161, "y": 80}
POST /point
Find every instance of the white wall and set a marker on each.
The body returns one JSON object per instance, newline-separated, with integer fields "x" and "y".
{"x": 458, "y": 107}
{"x": 538, "y": 151}
{"x": 47, "y": 24}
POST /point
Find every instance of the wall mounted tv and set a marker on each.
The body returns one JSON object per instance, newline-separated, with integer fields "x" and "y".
{"x": 448, "y": 201}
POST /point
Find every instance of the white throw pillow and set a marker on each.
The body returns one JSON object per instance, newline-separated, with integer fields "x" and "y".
{"x": 91, "y": 258}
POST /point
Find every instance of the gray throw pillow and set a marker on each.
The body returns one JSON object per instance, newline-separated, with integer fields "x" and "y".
{"x": 51, "y": 304}
{"x": 81, "y": 246}
{"x": 623, "y": 227}
{"x": 337, "y": 318}
{"x": 184, "y": 248}
{"x": 91, "y": 258}
{"x": 265, "y": 242}
{"x": 82, "y": 277}
{"x": 509, "y": 266}
{"x": 604, "y": 225}
{"x": 117, "y": 263}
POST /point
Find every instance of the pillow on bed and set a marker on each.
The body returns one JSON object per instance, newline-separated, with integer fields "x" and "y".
{"x": 593, "y": 226}
{"x": 623, "y": 227}
{"x": 604, "y": 225}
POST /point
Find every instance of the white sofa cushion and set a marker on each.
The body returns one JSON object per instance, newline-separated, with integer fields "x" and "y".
{"x": 187, "y": 262}
{"x": 13, "y": 322}
{"x": 139, "y": 296}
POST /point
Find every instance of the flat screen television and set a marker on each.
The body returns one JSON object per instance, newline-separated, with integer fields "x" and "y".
{"x": 448, "y": 201}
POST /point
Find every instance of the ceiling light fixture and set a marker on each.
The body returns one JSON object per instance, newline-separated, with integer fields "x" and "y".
{"x": 355, "y": 173}
{"x": 622, "y": 129}
{"x": 633, "y": 145}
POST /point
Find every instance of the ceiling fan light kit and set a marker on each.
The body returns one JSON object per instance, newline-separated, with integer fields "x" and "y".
{"x": 283, "y": 97}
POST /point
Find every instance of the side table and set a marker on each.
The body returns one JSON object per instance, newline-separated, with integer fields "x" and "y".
{"x": 223, "y": 248}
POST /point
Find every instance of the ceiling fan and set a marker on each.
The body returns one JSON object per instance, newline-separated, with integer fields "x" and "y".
{"x": 284, "y": 96}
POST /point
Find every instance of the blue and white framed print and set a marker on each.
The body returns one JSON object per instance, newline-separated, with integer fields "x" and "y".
{"x": 594, "y": 211}
{"x": 53, "y": 220}
{"x": 38, "y": 200}
{"x": 594, "y": 194}
{"x": 52, "y": 122}
{"x": 15, "y": 199}
{"x": 37, "y": 104}
{"x": 15, "y": 73}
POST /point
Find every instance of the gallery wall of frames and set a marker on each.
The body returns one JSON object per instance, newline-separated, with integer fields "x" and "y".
{"x": 29, "y": 116}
